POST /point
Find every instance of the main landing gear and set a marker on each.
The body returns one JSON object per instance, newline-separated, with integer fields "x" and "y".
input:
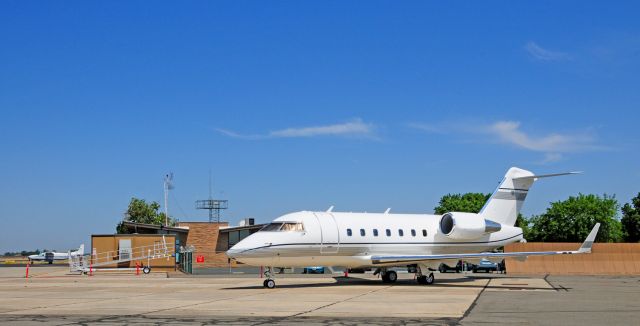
{"x": 424, "y": 279}
{"x": 269, "y": 283}
{"x": 386, "y": 275}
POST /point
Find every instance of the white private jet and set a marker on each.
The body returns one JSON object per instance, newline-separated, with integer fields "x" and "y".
{"x": 50, "y": 256}
{"x": 383, "y": 240}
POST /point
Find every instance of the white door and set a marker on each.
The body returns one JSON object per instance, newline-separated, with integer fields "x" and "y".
{"x": 330, "y": 236}
{"x": 124, "y": 249}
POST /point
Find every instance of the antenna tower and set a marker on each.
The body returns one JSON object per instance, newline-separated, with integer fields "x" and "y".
{"x": 214, "y": 206}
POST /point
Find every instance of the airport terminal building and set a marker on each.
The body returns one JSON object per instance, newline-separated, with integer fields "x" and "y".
{"x": 204, "y": 243}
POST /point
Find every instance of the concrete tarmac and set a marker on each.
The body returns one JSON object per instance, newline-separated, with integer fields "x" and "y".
{"x": 52, "y": 297}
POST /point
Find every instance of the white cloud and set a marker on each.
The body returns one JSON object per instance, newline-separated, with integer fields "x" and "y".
{"x": 509, "y": 132}
{"x": 354, "y": 128}
{"x": 540, "y": 53}
{"x": 553, "y": 145}
{"x": 551, "y": 158}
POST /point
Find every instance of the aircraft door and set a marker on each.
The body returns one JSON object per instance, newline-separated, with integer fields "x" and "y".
{"x": 330, "y": 235}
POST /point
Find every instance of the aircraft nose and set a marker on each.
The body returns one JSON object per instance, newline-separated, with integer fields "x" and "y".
{"x": 234, "y": 253}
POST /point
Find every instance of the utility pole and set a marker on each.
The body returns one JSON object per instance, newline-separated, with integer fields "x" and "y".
{"x": 168, "y": 185}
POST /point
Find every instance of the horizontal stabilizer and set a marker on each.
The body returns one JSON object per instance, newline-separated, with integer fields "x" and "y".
{"x": 547, "y": 175}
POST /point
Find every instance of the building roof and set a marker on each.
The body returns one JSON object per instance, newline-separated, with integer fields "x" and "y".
{"x": 153, "y": 227}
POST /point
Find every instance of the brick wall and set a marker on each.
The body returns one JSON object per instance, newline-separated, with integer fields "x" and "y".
{"x": 605, "y": 259}
{"x": 204, "y": 237}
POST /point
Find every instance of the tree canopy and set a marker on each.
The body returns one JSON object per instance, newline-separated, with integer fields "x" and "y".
{"x": 631, "y": 220}
{"x": 470, "y": 202}
{"x": 571, "y": 220}
{"x": 139, "y": 211}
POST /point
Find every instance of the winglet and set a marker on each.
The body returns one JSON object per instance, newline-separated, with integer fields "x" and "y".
{"x": 586, "y": 245}
{"x": 330, "y": 209}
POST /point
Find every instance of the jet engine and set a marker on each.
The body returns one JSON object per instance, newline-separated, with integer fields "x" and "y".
{"x": 457, "y": 225}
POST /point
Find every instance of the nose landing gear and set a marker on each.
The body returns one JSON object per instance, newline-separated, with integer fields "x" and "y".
{"x": 269, "y": 283}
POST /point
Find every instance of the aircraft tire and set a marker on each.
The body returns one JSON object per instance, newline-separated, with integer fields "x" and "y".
{"x": 422, "y": 279}
{"x": 146, "y": 269}
{"x": 392, "y": 276}
{"x": 385, "y": 278}
{"x": 429, "y": 279}
{"x": 270, "y": 284}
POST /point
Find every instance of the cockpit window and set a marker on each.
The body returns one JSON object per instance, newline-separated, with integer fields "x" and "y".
{"x": 292, "y": 227}
{"x": 272, "y": 227}
{"x": 283, "y": 226}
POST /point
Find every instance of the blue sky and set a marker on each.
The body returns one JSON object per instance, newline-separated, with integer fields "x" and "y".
{"x": 299, "y": 105}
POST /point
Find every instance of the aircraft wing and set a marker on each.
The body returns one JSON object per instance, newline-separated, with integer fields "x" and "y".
{"x": 585, "y": 248}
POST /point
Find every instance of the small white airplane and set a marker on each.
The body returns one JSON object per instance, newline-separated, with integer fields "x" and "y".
{"x": 384, "y": 240}
{"x": 50, "y": 256}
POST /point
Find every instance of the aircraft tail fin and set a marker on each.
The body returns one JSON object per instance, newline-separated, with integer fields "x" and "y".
{"x": 80, "y": 250}
{"x": 505, "y": 203}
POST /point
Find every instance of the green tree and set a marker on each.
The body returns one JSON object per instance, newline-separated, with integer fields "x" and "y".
{"x": 470, "y": 202}
{"x": 571, "y": 220}
{"x": 523, "y": 223}
{"x": 631, "y": 220}
{"x": 139, "y": 211}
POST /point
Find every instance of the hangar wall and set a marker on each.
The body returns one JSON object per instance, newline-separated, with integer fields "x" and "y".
{"x": 605, "y": 259}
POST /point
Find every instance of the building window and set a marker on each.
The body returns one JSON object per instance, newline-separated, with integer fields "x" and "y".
{"x": 244, "y": 234}
{"x": 413, "y": 232}
{"x": 400, "y": 232}
{"x": 362, "y": 232}
{"x": 375, "y": 232}
{"x": 349, "y": 233}
{"x": 388, "y": 232}
{"x": 424, "y": 232}
{"x": 234, "y": 237}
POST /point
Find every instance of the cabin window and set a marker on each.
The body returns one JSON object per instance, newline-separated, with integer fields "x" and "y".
{"x": 388, "y": 232}
{"x": 400, "y": 232}
{"x": 362, "y": 232}
{"x": 413, "y": 232}
{"x": 349, "y": 233}
{"x": 424, "y": 232}
{"x": 375, "y": 232}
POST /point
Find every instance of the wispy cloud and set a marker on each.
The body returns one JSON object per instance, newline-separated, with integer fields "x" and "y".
{"x": 540, "y": 53}
{"x": 552, "y": 145}
{"x": 354, "y": 128}
{"x": 509, "y": 132}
